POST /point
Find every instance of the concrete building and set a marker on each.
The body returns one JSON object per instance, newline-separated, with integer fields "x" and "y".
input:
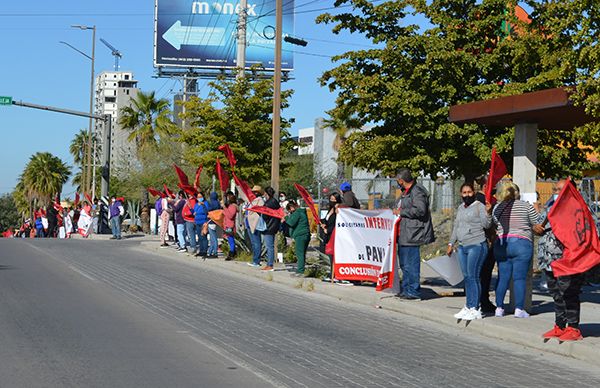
{"x": 113, "y": 91}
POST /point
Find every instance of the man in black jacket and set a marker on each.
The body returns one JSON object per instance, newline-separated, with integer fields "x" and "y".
{"x": 273, "y": 224}
{"x": 416, "y": 229}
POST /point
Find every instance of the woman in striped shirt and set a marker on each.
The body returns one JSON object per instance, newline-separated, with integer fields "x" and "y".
{"x": 515, "y": 220}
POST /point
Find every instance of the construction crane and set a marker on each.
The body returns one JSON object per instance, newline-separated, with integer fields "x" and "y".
{"x": 116, "y": 53}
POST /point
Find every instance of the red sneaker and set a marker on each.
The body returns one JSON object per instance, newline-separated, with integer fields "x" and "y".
{"x": 268, "y": 268}
{"x": 554, "y": 333}
{"x": 571, "y": 334}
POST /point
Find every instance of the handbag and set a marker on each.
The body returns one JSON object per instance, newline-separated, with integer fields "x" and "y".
{"x": 205, "y": 229}
{"x": 261, "y": 226}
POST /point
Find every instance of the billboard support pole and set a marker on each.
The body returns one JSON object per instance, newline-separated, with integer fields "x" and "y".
{"x": 276, "y": 98}
{"x": 241, "y": 39}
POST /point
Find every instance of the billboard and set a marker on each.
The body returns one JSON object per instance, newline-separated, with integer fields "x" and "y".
{"x": 203, "y": 33}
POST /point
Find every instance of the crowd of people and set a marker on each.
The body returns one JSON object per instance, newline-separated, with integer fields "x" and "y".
{"x": 504, "y": 232}
{"x": 486, "y": 231}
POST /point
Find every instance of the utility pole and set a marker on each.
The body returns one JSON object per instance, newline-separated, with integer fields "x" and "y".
{"x": 276, "y": 98}
{"x": 241, "y": 38}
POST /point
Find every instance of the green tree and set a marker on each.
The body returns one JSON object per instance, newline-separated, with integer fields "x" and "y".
{"x": 9, "y": 215}
{"x": 406, "y": 83}
{"x": 236, "y": 112}
{"x": 43, "y": 177}
{"x": 147, "y": 119}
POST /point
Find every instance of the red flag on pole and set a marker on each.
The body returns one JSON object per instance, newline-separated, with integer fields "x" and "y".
{"x": 183, "y": 179}
{"x": 309, "y": 201}
{"x": 497, "y": 171}
{"x": 277, "y": 213}
{"x": 168, "y": 192}
{"x": 89, "y": 199}
{"x": 244, "y": 188}
{"x": 76, "y": 200}
{"x": 228, "y": 154}
{"x": 188, "y": 189}
{"x": 155, "y": 192}
{"x": 574, "y": 226}
{"x": 197, "y": 179}
{"x": 222, "y": 175}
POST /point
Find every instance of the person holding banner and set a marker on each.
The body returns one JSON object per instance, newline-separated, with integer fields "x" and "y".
{"x": 297, "y": 220}
{"x": 513, "y": 249}
{"x": 472, "y": 218}
{"x": 416, "y": 229}
{"x": 328, "y": 226}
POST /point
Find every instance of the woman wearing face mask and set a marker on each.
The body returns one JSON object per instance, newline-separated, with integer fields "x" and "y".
{"x": 472, "y": 217}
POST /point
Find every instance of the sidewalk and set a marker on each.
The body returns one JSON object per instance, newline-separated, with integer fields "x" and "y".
{"x": 526, "y": 332}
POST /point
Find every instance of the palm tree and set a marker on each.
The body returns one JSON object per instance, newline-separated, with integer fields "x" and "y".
{"x": 342, "y": 125}
{"x": 44, "y": 177}
{"x": 147, "y": 119}
{"x": 78, "y": 146}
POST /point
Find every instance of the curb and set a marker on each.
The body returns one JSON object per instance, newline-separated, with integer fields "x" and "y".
{"x": 507, "y": 329}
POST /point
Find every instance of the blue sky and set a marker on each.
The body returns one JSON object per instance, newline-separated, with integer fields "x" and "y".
{"x": 36, "y": 68}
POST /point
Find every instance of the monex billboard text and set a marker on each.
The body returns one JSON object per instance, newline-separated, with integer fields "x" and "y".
{"x": 203, "y": 33}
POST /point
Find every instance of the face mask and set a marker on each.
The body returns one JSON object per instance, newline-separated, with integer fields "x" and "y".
{"x": 282, "y": 198}
{"x": 201, "y": 199}
{"x": 468, "y": 200}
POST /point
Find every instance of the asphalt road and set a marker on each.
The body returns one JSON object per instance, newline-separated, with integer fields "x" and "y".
{"x": 107, "y": 314}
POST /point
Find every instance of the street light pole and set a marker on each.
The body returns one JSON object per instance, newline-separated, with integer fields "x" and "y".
{"x": 88, "y": 184}
{"x": 275, "y": 151}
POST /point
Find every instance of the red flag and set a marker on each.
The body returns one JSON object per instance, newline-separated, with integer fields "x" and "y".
{"x": 183, "y": 179}
{"x": 120, "y": 199}
{"x": 197, "y": 179}
{"x": 155, "y": 192}
{"x": 309, "y": 201}
{"x": 497, "y": 171}
{"x": 76, "y": 200}
{"x": 573, "y": 225}
{"x": 89, "y": 199}
{"x": 168, "y": 192}
{"x": 8, "y": 233}
{"x": 188, "y": 189}
{"x": 222, "y": 175}
{"x": 277, "y": 213}
{"x": 244, "y": 188}
{"x": 228, "y": 154}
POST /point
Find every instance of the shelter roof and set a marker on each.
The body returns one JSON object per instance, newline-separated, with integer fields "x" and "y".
{"x": 550, "y": 109}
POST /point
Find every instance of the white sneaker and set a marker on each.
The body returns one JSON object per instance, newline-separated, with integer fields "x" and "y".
{"x": 472, "y": 314}
{"x": 499, "y": 312}
{"x": 461, "y": 314}
{"x": 521, "y": 313}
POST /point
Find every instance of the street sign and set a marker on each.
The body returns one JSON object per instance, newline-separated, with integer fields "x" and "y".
{"x": 5, "y": 100}
{"x": 202, "y": 34}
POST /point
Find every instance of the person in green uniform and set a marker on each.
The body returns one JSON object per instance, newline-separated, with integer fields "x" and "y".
{"x": 297, "y": 221}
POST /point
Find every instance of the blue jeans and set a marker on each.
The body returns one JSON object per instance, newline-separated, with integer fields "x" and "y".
{"x": 214, "y": 243}
{"x": 471, "y": 258}
{"x": 231, "y": 241}
{"x": 115, "y": 226}
{"x": 181, "y": 235}
{"x": 410, "y": 264}
{"x": 513, "y": 256}
{"x": 39, "y": 233}
{"x": 256, "y": 241}
{"x": 270, "y": 245}
{"x": 190, "y": 228}
{"x": 202, "y": 240}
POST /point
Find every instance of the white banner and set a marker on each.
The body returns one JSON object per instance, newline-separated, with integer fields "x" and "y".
{"x": 363, "y": 239}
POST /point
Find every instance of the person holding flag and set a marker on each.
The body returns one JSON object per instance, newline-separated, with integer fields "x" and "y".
{"x": 272, "y": 227}
{"x": 230, "y": 210}
{"x": 255, "y": 224}
{"x": 568, "y": 248}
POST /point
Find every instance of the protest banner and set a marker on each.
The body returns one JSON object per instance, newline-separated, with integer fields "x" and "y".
{"x": 362, "y": 239}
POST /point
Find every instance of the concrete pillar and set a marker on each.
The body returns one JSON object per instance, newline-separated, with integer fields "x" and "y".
{"x": 525, "y": 176}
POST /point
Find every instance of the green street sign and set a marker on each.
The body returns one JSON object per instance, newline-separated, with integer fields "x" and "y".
{"x": 5, "y": 100}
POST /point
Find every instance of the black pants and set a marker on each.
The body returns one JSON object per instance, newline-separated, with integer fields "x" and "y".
{"x": 565, "y": 291}
{"x": 485, "y": 276}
